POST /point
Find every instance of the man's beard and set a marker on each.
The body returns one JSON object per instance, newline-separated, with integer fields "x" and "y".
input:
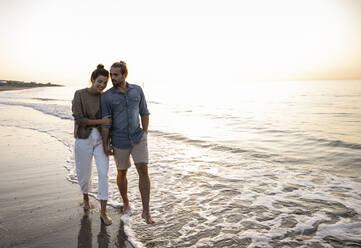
{"x": 116, "y": 83}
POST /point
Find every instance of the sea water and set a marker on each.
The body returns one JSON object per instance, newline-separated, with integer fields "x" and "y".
{"x": 262, "y": 164}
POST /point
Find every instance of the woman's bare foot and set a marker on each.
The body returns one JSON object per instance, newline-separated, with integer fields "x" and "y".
{"x": 126, "y": 208}
{"x": 148, "y": 218}
{"x": 86, "y": 205}
{"x": 106, "y": 219}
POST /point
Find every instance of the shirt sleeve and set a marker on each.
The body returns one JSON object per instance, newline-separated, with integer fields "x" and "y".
{"x": 143, "y": 109}
{"x": 77, "y": 109}
{"x": 106, "y": 109}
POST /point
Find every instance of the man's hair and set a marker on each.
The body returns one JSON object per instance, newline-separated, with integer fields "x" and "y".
{"x": 123, "y": 68}
{"x": 99, "y": 71}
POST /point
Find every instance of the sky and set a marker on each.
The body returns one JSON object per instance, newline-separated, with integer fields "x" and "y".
{"x": 181, "y": 42}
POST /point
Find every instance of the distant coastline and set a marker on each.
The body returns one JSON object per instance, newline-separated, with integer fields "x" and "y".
{"x": 20, "y": 85}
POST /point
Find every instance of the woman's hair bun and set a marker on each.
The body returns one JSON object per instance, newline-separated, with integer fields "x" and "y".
{"x": 100, "y": 66}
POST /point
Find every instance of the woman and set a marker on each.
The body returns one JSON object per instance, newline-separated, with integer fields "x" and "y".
{"x": 88, "y": 142}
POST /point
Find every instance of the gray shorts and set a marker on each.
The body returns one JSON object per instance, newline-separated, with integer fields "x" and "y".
{"x": 138, "y": 151}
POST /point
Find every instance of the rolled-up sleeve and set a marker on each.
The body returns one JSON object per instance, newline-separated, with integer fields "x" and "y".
{"x": 77, "y": 109}
{"x": 106, "y": 109}
{"x": 143, "y": 109}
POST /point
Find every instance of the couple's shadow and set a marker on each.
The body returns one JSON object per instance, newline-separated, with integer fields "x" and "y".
{"x": 104, "y": 236}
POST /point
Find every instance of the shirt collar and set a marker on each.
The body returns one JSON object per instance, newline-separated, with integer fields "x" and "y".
{"x": 129, "y": 86}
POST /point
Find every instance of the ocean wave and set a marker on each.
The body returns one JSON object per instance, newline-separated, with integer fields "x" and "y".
{"x": 335, "y": 143}
{"x": 47, "y": 99}
{"x": 209, "y": 144}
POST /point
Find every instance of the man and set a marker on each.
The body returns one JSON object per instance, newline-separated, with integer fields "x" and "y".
{"x": 125, "y": 103}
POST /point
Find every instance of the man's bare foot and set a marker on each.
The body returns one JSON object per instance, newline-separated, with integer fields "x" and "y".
{"x": 106, "y": 219}
{"x": 148, "y": 218}
{"x": 126, "y": 208}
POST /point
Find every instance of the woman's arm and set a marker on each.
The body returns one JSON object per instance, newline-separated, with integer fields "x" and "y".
{"x": 77, "y": 109}
{"x": 78, "y": 115}
{"x": 105, "y": 121}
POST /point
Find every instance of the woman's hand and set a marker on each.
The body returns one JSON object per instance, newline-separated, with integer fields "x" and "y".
{"x": 107, "y": 120}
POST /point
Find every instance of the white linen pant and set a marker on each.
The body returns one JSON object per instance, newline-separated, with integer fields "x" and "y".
{"x": 84, "y": 151}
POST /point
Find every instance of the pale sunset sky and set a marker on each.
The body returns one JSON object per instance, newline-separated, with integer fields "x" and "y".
{"x": 188, "y": 41}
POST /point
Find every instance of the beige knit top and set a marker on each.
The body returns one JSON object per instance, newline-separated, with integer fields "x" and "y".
{"x": 85, "y": 106}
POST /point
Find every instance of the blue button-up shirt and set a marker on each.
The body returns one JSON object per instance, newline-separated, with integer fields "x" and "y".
{"x": 124, "y": 110}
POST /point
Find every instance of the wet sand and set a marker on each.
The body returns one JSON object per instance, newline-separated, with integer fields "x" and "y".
{"x": 38, "y": 206}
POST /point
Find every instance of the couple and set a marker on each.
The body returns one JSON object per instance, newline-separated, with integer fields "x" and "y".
{"x": 112, "y": 116}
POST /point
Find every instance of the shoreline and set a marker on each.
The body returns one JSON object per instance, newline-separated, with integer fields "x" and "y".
{"x": 38, "y": 205}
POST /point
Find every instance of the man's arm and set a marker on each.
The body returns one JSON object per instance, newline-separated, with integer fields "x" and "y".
{"x": 145, "y": 122}
{"x": 143, "y": 111}
{"x": 105, "y": 127}
{"x": 105, "y": 139}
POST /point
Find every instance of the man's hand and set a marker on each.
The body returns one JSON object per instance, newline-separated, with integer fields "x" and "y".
{"x": 107, "y": 120}
{"x": 108, "y": 149}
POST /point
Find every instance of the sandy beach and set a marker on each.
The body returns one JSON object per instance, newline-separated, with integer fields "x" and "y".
{"x": 38, "y": 206}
